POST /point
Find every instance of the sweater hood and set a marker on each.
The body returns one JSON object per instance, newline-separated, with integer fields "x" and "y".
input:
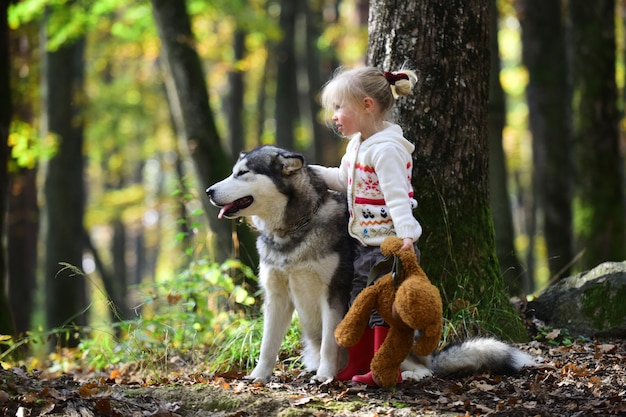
{"x": 392, "y": 133}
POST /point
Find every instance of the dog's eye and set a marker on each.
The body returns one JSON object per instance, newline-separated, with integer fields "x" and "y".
{"x": 240, "y": 173}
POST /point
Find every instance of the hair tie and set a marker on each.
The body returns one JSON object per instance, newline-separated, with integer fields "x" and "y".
{"x": 392, "y": 78}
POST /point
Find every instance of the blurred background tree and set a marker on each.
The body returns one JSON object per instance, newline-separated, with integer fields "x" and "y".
{"x": 548, "y": 96}
{"x": 6, "y": 325}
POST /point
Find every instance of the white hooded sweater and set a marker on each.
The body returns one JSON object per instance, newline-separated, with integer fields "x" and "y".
{"x": 376, "y": 174}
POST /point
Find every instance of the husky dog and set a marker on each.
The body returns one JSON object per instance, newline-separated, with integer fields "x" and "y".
{"x": 306, "y": 255}
{"x": 306, "y": 264}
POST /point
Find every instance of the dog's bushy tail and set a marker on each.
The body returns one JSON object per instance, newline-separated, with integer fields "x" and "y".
{"x": 479, "y": 355}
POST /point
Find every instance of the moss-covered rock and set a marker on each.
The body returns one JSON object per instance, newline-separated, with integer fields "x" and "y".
{"x": 592, "y": 303}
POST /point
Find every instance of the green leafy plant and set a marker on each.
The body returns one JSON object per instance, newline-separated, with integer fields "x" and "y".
{"x": 552, "y": 336}
{"x": 198, "y": 308}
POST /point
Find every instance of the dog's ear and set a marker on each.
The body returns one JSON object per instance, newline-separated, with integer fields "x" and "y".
{"x": 290, "y": 162}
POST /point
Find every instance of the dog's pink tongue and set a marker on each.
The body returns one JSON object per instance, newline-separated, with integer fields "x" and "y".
{"x": 223, "y": 210}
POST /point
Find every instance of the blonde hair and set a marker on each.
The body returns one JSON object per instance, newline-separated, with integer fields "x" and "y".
{"x": 354, "y": 85}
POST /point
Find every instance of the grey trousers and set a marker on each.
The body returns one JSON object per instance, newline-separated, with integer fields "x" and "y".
{"x": 365, "y": 259}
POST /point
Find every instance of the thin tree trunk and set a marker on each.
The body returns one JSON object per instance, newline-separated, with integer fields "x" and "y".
{"x": 244, "y": 244}
{"x": 287, "y": 110}
{"x": 447, "y": 119}
{"x": 22, "y": 230}
{"x": 235, "y": 100}
{"x": 600, "y": 214}
{"x": 326, "y": 146}
{"x": 6, "y": 326}
{"x": 261, "y": 102}
{"x": 64, "y": 189}
{"x": 514, "y": 275}
{"x": 120, "y": 268}
{"x": 550, "y": 120}
{"x": 23, "y": 211}
{"x": 189, "y": 101}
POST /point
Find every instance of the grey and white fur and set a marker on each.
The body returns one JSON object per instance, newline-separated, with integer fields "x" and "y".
{"x": 306, "y": 255}
{"x": 480, "y": 354}
{"x": 306, "y": 264}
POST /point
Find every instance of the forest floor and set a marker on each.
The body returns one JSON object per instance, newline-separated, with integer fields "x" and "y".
{"x": 587, "y": 378}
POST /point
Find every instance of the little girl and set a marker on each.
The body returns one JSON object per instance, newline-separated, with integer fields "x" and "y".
{"x": 375, "y": 173}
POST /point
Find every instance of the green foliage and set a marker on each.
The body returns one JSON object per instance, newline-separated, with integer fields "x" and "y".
{"x": 556, "y": 337}
{"x": 69, "y": 20}
{"x": 200, "y": 316}
{"x": 199, "y": 310}
{"x": 27, "y": 148}
{"x": 182, "y": 315}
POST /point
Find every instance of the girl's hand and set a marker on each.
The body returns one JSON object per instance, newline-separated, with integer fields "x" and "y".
{"x": 407, "y": 244}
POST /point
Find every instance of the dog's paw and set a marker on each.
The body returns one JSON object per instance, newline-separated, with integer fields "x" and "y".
{"x": 256, "y": 380}
{"x": 416, "y": 374}
{"x": 259, "y": 376}
{"x": 321, "y": 379}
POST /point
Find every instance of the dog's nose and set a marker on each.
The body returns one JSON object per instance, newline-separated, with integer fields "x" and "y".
{"x": 209, "y": 192}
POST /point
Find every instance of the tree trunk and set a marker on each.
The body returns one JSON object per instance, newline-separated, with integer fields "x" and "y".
{"x": 326, "y": 145}
{"x": 515, "y": 278}
{"x": 244, "y": 245}
{"x": 22, "y": 231}
{"x": 235, "y": 101}
{"x": 550, "y": 118}
{"x": 23, "y": 207}
{"x": 189, "y": 101}
{"x": 447, "y": 119}
{"x": 287, "y": 111}
{"x": 64, "y": 189}
{"x": 6, "y": 326}
{"x": 119, "y": 279}
{"x": 600, "y": 214}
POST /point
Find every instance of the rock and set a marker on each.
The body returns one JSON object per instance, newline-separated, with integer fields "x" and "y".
{"x": 592, "y": 303}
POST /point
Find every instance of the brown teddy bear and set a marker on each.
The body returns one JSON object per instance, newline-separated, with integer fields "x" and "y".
{"x": 407, "y": 301}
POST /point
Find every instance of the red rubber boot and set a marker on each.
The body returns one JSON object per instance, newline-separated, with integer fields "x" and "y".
{"x": 359, "y": 356}
{"x": 380, "y": 333}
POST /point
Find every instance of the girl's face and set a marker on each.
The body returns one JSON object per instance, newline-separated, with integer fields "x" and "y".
{"x": 346, "y": 118}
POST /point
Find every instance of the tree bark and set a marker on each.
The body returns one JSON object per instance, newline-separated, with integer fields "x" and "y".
{"x": 189, "y": 101}
{"x": 23, "y": 214}
{"x": 64, "y": 189}
{"x": 6, "y": 326}
{"x": 22, "y": 232}
{"x": 235, "y": 101}
{"x": 326, "y": 145}
{"x": 287, "y": 109}
{"x": 447, "y": 119}
{"x": 244, "y": 245}
{"x": 514, "y": 275}
{"x": 600, "y": 226}
{"x": 548, "y": 95}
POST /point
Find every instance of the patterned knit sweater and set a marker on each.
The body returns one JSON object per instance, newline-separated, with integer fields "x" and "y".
{"x": 376, "y": 173}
